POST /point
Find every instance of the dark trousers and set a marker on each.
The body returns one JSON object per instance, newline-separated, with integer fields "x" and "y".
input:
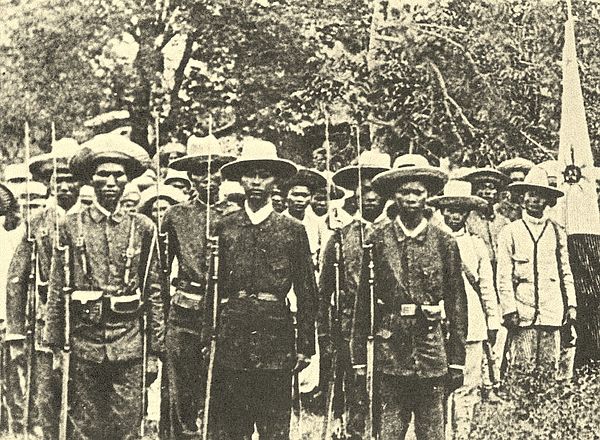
{"x": 400, "y": 398}
{"x": 105, "y": 399}
{"x": 186, "y": 371}
{"x": 47, "y": 395}
{"x": 244, "y": 398}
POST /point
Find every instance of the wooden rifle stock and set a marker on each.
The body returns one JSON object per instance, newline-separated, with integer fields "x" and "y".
{"x": 214, "y": 270}
{"x": 30, "y": 317}
{"x": 336, "y": 337}
{"x": 370, "y": 432}
{"x": 66, "y": 351}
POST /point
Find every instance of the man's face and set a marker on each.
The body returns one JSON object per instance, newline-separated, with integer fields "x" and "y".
{"x": 535, "y": 202}
{"x": 130, "y": 204}
{"x": 182, "y": 185}
{"x": 203, "y": 188}
{"x": 319, "y": 204}
{"x": 175, "y": 155}
{"x": 109, "y": 181}
{"x": 278, "y": 201}
{"x": 372, "y": 205}
{"x": 257, "y": 184}
{"x": 487, "y": 190}
{"x": 298, "y": 198}
{"x": 410, "y": 197}
{"x": 159, "y": 207}
{"x": 517, "y": 176}
{"x": 67, "y": 190}
{"x": 455, "y": 218}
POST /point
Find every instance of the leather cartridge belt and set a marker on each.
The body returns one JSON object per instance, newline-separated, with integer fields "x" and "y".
{"x": 188, "y": 286}
{"x": 429, "y": 311}
{"x": 96, "y": 305}
{"x": 259, "y": 296}
{"x": 188, "y": 294}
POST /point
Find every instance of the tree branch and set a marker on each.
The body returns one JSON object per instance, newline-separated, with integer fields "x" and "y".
{"x": 448, "y": 98}
{"x": 550, "y": 154}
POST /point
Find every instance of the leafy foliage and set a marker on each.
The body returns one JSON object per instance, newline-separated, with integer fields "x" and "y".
{"x": 474, "y": 81}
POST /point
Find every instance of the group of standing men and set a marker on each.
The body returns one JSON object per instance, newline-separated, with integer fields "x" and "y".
{"x": 416, "y": 273}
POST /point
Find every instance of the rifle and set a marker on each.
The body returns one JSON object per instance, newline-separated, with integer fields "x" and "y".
{"x": 296, "y": 404}
{"x": 66, "y": 350}
{"x": 213, "y": 335}
{"x": 212, "y": 281}
{"x": 337, "y": 339}
{"x": 369, "y": 431}
{"x": 30, "y": 306}
{"x": 66, "y": 290}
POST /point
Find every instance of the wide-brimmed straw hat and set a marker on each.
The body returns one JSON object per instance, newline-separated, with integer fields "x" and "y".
{"x": 8, "y": 202}
{"x": 257, "y": 153}
{"x": 457, "y": 194}
{"x": 370, "y": 163}
{"x": 307, "y": 177}
{"x": 163, "y": 192}
{"x": 516, "y": 164}
{"x": 201, "y": 150}
{"x": 177, "y": 175}
{"x": 109, "y": 147}
{"x": 16, "y": 173}
{"x": 408, "y": 168}
{"x": 63, "y": 150}
{"x": 486, "y": 174}
{"x": 537, "y": 179}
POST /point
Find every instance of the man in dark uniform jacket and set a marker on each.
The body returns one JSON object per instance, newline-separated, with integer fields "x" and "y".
{"x": 263, "y": 256}
{"x": 350, "y": 241}
{"x": 419, "y": 292}
{"x": 111, "y": 255}
{"x": 185, "y": 226}
{"x": 45, "y": 386}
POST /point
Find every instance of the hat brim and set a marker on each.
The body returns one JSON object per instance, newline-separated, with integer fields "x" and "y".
{"x": 347, "y": 177}
{"x": 199, "y": 163}
{"x": 483, "y": 175}
{"x": 42, "y": 166}
{"x": 550, "y": 191}
{"x": 8, "y": 202}
{"x": 465, "y": 202}
{"x": 280, "y": 168}
{"x": 84, "y": 167}
{"x": 387, "y": 182}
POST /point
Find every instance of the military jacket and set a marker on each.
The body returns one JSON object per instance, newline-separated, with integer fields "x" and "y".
{"x": 185, "y": 225}
{"x": 98, "y": 245}
{"x": 185, "y": 228}
{"x": 43, "y": 233}
{"x": 270, "y": 258}
{"x": 350, "y": 267}
{"x": 421, "y": 270}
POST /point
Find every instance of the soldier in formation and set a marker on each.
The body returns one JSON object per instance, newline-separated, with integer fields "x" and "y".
{"x": 213, "y": 288}
{"x": 103, "y": 276}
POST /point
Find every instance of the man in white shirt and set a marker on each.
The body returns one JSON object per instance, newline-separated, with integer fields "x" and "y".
{"x": 534, "y": 279}
{"x": 482, "y": 304}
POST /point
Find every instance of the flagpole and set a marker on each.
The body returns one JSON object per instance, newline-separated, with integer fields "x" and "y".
{"x": 569, "y": 10}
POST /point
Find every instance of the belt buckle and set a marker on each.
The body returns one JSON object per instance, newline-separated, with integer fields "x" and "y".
{"x": 408, "y": 309}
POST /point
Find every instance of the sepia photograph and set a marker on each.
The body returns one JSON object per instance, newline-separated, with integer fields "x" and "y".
{"x": 299, "y": 219}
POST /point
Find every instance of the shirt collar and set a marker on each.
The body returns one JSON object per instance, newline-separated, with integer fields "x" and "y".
{"x": 460, "y": 233}
{"x": 98, "y": 212}
{"x": 417, "y": 233}
{"x": 257, "y": 217}
{"x": 535, "y": 221}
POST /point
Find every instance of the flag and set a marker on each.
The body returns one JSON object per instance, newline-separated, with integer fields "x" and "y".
{"x": 575, "y": 152}
{"x": 581, "y": 214}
